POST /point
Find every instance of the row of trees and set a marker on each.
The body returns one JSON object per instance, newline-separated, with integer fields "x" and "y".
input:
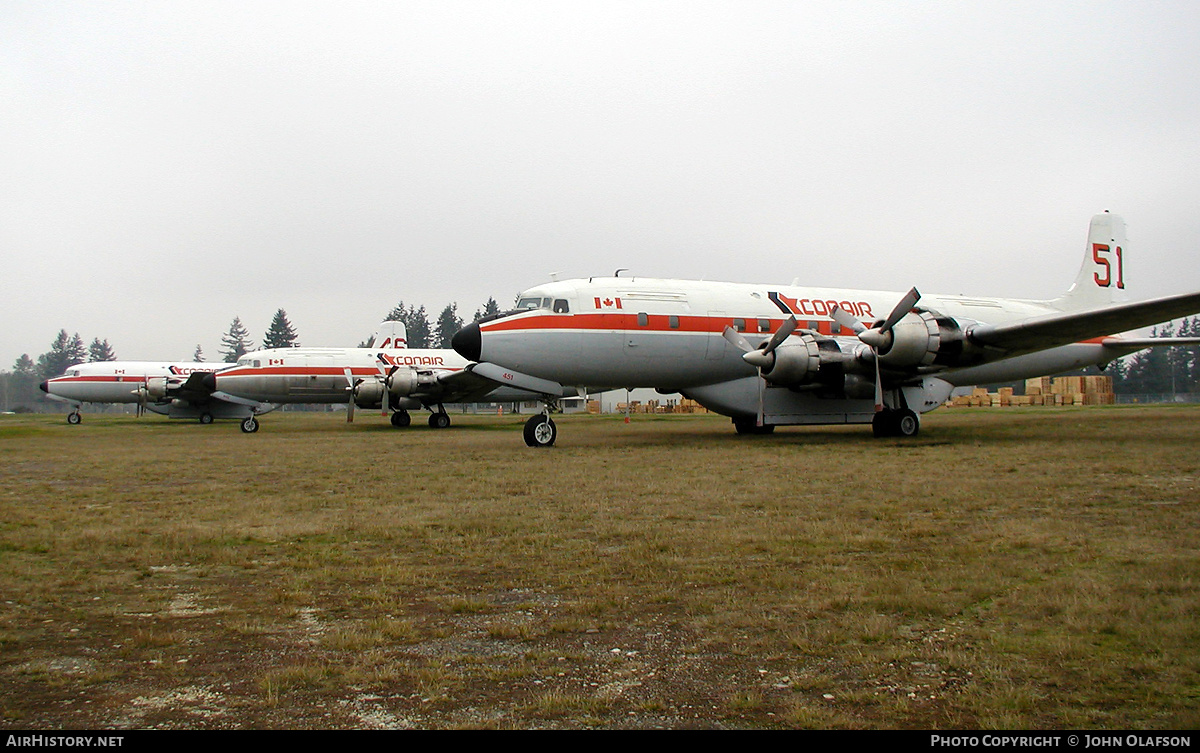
{"x": 19, "y": 387}
{"x": 422, "y": 334}
{"x": 1161, "y": 371}
{"x": 1170, "y": 370}
{"x": 236, "y": 342}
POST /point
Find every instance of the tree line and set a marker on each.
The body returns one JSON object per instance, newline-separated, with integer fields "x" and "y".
{"x": 1152, "y": 371}
{"x": 19, "y": 387}
{"x": 1161, "y": 371}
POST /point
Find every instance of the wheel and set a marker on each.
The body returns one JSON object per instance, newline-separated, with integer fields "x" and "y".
{"x": 250, "y": 425}
{"x": 74, "y": 418}
{"x": 401, "y": 418}
{"x": 439, "y": 420}
{"x": 540, "y": 431}
{"x": 750, "y": 426}
{"x": 206, "y": 418}
{"x": 883, "y": 424}
{"x": 907, "y": 424}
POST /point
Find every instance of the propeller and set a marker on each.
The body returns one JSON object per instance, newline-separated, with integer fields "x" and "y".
{"x": 350, "y": 389}
{"x": 876, "y": 338}
{"x": 141, "y": 400}
{"x": 762, "y": 358}
{"x": 386, "y": 379}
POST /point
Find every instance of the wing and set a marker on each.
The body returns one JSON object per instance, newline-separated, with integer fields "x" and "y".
{"x": 196, "y": 389}
{"x": 460, "y": 386}
{"x": 1053, "y": 330}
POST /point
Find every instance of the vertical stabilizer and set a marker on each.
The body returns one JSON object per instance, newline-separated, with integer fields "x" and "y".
{"x": 1101, "y": 278}
{"x": 390, "y": 336}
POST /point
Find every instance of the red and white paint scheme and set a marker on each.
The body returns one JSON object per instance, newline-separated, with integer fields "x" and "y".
{"x": 389, "y": 377}
{"x": 163, "y": 387}
{"x": 770, "y": 355}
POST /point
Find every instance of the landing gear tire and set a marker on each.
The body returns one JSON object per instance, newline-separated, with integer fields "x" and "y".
{"x": 439, "y": 420}
{"x": 880, "y": 424}
{"x": 895, "y": 423}
{"x": 749, "y": 426}
{"x": 250, "y": 425}
{"x": 74, "y": 418}
{"x": 401, "y": 418}
{"x": 540, "y": 431}
{"x": 206, "y": 418}
{"x": 907, "y": 423}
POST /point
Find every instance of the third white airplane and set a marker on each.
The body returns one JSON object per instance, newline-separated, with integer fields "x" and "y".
{"x": 770, "y": 355}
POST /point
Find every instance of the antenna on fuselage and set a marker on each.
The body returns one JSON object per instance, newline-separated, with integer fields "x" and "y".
{"x": 619, "y": 271}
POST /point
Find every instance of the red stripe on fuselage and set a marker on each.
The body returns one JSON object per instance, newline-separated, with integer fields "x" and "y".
{"x": 103, "y": 378}
{"x": 309, "y": 371}
{"x": 654, "y": 323}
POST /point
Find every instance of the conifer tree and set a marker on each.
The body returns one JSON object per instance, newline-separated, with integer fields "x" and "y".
{"x": 236, "y": 342}
{"x": 100, "y": 351}
{"x": 281, "y": 333}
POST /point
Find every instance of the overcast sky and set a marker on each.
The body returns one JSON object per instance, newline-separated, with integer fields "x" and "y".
{"x": 167, "y": 166}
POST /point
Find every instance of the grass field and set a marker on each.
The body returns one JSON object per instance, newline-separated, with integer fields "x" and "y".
{"x": 1005, "y": 569}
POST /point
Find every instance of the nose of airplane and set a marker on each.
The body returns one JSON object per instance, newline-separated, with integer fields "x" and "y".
{"x": 43, "y": 387}
{"x": 468, "y": 341}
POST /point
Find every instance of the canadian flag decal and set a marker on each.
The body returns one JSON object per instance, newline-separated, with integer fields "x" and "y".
{"x": 607, "y": 303}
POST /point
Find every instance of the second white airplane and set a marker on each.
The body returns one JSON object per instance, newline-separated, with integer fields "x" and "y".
{"x": 388, "y": 376}
{"x": 769, "y": 355}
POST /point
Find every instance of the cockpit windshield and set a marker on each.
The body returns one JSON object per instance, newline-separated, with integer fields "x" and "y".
{"x": 528, "y": 304}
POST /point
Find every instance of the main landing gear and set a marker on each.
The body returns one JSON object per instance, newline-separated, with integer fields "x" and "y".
{"x": 249, "y": 425}
{"x": 893, "y": 422}
{"x": 540, "y": 431}
{"x": 438, "y": 419}
{"x": 745, "y": 426}
{"x": 74, "y": 418}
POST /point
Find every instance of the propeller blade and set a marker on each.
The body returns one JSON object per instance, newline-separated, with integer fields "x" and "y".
{"x": 387, "y": 390}
{"x": 762, "y": 387}
{"x": 784, "y": 332}
{"x": 903, "y": 307}
{"x": 846, "y": 319}
{"x": 734, "y": 337}
{"x": 350, "y": 389}
{"x": 878, "y": 387}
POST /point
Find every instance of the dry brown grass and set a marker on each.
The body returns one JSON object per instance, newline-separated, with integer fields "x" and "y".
{"x": 1006, "y": 569}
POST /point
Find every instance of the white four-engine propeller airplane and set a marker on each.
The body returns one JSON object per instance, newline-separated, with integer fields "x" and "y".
{"x": 388, "y": 376}
{"x": 169, "y": 388}
{"x": 770, "y": 356}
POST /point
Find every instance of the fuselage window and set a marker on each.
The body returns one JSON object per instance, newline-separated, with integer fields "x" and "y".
{"x": 739, "y": 325}
{"x": 561, "y": 306}
{"x": 673, "y": 321}
{"x": 764, "y": 325}
{"x": 643, "y": 319}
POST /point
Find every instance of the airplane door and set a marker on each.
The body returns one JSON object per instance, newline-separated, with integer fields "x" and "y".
{"x": 718, "y": 347}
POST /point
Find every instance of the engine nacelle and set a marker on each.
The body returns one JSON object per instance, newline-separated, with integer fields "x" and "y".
{"x": 806, "y": 360}
{"x": 925, "y": 338}
{"x": 405, "y": 381}
{"x": 159, "y": 387}
{"x": 368, "y": 393}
